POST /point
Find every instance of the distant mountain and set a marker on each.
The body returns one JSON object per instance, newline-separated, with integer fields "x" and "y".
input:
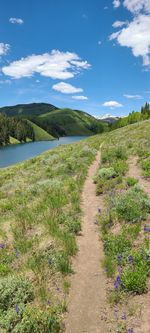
{"x": 108, "y": 118}
{"x": 56, "y": 122}
{"x": 28, "y": 110}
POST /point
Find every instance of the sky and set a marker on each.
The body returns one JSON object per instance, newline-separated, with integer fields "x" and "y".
{"x": 86, "y": 55}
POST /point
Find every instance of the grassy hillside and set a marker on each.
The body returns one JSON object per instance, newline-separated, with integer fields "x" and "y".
{"x": 70, "y": 122}
{"x": 27, "y": 110}
{"x": 40, "y": 134}
{"x": 40, "y": 216}
{"x": 57, "y": 122}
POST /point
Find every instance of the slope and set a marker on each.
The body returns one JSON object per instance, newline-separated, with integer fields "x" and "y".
{"x": 40, "y": 134}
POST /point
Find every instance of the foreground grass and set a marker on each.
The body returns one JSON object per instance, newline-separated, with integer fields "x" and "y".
{"x": 39, "y": 219}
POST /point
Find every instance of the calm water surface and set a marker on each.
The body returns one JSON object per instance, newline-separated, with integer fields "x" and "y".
{"x": 16, "y": 153}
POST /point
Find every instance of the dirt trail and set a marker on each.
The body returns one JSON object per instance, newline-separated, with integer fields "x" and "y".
{"x": 136, "y": 172}
{"x": 86, "y": 308}
{"x": 143, "y": 301}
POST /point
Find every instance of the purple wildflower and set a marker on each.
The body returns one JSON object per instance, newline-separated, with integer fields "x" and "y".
{"x": 116, "y": 285}
{"x": 118, "y": 279}
{"x": 17, "y": 253}
{"x": 130, "y": 259}
{"x": 49, "y": 302}
{"x": 146, "y": 229}
{"x": 17, "y": 309}
{"x": 119, "y": 257}
{"x": 120, "y": 269}
{"x": 50, "y": 261}
{"x": 99, "y": 210}
{"x": 124, "y": 316}
{"x": 130, "y": 330}
{"x": 2, "y": 246}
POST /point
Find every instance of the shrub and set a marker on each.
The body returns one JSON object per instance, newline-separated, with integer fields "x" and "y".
{"x": 116, "y": 245}
{"x": 133, "y": 205}
{"x": 120, "y": 167}
{"x": 14, "y": 290}
{"x": 106, "y": 173}
{"x": 146, "y": 168}
{"x": 131, "y": 181}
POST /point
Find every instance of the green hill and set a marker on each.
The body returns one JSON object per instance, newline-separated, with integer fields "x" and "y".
{"x": 57, "y": 122}
{"x": 27, "y": 110}
{"x": 67, "y": 122}
{"x": 40, "y": 134}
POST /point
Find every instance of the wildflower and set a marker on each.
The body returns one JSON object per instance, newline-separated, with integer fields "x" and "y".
{"x": 99, "y": 210}
{"x": 17, "y": 253}
{"x": 17, "y": 309}
{"x": 146, "y": 229}
{"x": 2, "y": 246}
{"x": 49, "y": 302}
{"x": 130, "y": 259}
{"x": 116, "y": 285}
{"x": 130, "y": 330}
{"x": 120, "y": 269}
{"x": 50, "y": 261}
{"x": 119, "y": 258}
{"x": 124, "y": 316}
{"x": 118, "y": 279}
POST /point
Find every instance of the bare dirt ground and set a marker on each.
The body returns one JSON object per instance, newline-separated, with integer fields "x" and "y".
{"x": 87, "y": 298}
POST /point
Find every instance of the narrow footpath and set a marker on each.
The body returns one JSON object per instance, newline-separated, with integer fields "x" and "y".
{"x": 87, "y": 298}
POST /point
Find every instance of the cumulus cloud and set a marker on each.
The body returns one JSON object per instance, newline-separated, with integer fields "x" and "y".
{"x": 56, "y": 65}
{"x": 116, "y": 3}
{"x": 80, "y": 98}
{"x": 136, "y": 36}
{"x": 112, "y": 104}
{"x": 119, "y": 24}
{"x": 66, "y": 88}
{"x": 4, "y": 48}
{"x": 15, "y": 20}
{"x": 132, "y": 96}
{"x": 136, "y": 6}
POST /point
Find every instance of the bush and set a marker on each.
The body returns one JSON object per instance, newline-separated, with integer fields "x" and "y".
{"x": 13, "y": 291}
{"x": 146, "y": 168}
{"x": 133, "y": 205}
{"x": 106, "y": 173}
{"x": 116, "y": 245}
{"x": 120, "y": 167}
{"x": 131, "y": 181}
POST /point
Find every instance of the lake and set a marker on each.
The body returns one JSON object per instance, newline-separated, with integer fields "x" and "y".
{"x": 13, "y": 154}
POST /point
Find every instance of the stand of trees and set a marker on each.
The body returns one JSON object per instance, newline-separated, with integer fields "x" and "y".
{"x": 133, "y": 117}
{"x": 18, "y": 128}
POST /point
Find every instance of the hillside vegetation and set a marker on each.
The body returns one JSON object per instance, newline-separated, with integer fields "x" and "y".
{"x": 56, "y": 122}
{"x": 40, "y": 217}
{"x": 39, "y": 133}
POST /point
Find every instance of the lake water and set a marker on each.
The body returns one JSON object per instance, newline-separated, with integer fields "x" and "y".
{"x": 13, "y": 154}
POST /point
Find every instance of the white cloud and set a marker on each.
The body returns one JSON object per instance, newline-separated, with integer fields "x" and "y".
{"x": 4, "y": 48}
{"x": 66, "y": 88}
{"x": 116, "y": 3}
{"x": 15, "y": 20}
{"x": 112, "y": 104}
{"x": 137, "y": 6}
{"x": 132, "y": 96}
{"x": 56, "y": 65}
{"x": 80, "y": 98}
{"x": 99, "y": 42}
{"x": 119, "y": 24}
{"x": 137, "y": 37}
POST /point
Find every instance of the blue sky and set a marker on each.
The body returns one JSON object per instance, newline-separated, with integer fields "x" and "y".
{"x": 83, "y": 54}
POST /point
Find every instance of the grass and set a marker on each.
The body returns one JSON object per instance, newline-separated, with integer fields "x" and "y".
{"x": 40, "y": 134}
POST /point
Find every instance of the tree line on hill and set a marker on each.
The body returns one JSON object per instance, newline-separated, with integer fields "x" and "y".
{"x": 133, "y": 117}
{"x": 14, "y": 127}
